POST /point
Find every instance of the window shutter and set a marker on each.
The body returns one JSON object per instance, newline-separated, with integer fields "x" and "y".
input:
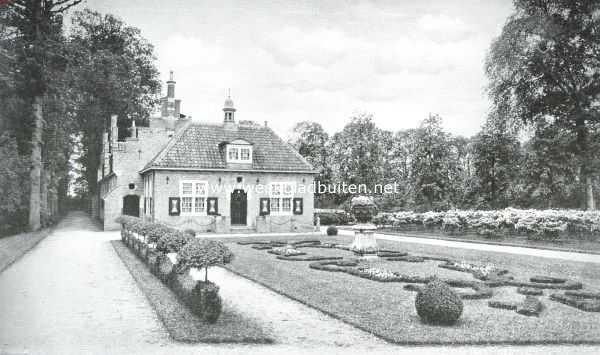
{"x": 298, "y": 205}
{"x": 174, "y": 206}
{"x": 212, "y": 207}
{"x": 264, "y": 206}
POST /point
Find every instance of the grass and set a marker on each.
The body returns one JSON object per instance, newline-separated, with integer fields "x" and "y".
{"x": 387, "y": 310}
{"x": 180, "y": 323}
{"x": 569, "y": 243}
{"x": 12, "y": 248}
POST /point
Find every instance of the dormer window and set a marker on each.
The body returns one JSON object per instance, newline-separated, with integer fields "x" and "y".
{"x": 239, "y": 152}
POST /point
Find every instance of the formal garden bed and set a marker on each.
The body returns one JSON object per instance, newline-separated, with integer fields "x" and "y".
{"x": 505, "y": 298}
{"x": 171, "y": 267}
{"x": 555, "y": 229}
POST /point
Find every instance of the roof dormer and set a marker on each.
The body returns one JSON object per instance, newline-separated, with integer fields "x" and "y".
{"x": 238, "y": 151}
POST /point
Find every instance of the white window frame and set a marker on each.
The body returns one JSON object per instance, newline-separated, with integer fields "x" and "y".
{"x": 193, "y": 195}
{"x": 238, "y": 148}
{"x": 279, "y": 191}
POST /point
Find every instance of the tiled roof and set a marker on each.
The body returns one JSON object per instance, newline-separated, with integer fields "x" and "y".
{"x": 200, "y": 146}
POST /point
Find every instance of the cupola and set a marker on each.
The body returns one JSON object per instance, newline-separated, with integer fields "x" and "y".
{"x": 229, "y": 111}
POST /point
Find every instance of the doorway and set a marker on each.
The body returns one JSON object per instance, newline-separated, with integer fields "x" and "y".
{"x": 131, "y": 205}
{"x": 239, "y": 207}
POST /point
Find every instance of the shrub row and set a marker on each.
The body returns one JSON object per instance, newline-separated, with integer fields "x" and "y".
{"x": 334, "y": 218}
{"x": 536, "y": 224}
{"x": 151, "y": 242}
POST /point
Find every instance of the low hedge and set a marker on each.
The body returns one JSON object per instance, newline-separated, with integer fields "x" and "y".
{"x": 334, "y": 218}
{"x": 201, "y": 297}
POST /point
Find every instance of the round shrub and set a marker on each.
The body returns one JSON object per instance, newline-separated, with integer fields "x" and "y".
{"x": 172, "y": 241}
{"x": 332, "y": 230}
{"x": 203, "y": 253}
{"x": 206, "y": 302}
{"x": 437, "y": 303}
{"x": 157, "y": 231}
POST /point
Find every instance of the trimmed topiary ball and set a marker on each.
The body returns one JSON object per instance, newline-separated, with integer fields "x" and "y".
{"x": 437, "y": 303}
{"x": 332, "y": 230}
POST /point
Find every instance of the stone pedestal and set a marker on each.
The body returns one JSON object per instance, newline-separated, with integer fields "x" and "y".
{"x": 364, "y": 242}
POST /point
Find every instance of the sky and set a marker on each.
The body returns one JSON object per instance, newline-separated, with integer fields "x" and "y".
{"x": 323, "y": 61}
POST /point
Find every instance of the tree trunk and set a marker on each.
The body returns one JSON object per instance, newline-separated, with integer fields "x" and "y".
{"x": 36, "y": 164}
{"x": 582, "y": 143}
{"x": 589, "y": 194}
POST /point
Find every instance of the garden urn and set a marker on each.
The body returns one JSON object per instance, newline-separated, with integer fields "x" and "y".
{"x": 364, "y": 244}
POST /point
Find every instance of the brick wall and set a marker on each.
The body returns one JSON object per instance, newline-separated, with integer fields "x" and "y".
{"x": 127, "y": 163}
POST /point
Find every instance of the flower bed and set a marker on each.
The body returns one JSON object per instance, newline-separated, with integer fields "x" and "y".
{"x": 536, "y": 224}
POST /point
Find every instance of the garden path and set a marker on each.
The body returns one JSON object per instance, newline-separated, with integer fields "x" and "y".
{"x": 71, "y": 294}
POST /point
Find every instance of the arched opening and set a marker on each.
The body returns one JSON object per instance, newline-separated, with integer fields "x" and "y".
{"x": 131, "y": 205}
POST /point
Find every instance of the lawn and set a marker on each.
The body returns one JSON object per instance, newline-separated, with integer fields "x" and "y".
{"x": 387, "y": 310}
{"x": 568, "y": 243}
{"x": 14, "y": 247}
{"x": 182, "y": 324}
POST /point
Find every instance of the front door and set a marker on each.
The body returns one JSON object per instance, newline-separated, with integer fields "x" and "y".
{"x": 131, "y": 205}
{"x": 239, "y": 207}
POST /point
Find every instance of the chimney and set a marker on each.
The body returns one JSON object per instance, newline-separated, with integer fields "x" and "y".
{"x": 171, "y": 86}
{"x": 266, "y": 123}
{"x": 114, "y": 130}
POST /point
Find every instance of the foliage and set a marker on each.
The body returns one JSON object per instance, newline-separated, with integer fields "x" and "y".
{"x": 332, "y": 230}
{"x": 537, "y": 224}
{"x": 311, "y": 141}
{"x": 203, "y": 253}
{"x": 335, "y": 218}
{"x": 13, "y": 171}
{"x": 172, "y": 241}
{"x": 437, "y": 303}
{"x": 545, "y": 67}
{"x": 496, "y": 158}
{"x": 113, "y": 72}
{"x": 358, "y": 153}
{"x": 434, "y": 172}
{"x": 206, "y": 302}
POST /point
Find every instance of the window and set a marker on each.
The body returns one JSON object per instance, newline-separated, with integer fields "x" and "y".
{"x": 245, "y": 154}
{"x": 193, "y": 197}
{"x": 281, "y": 194}
{"x": 239, "y": 153}
{"x": 233, "y": 154}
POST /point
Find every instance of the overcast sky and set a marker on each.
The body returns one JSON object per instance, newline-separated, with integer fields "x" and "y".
{"x": 290, "y": 61}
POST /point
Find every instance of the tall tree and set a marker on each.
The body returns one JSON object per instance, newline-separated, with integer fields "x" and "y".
{"x": 358, "y": 153}
{"x": 549, "y": 172}
{"x": 433, "y": 171}
{"x": 312, "y": 142}
{"x": 545, "y": 65}
{"x": 496, "y": 159}
{"x": 38, "y": 26}
{"x": 113, "y": 72}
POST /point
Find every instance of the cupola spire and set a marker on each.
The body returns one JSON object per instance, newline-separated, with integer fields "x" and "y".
{"x": 229, "y": 110}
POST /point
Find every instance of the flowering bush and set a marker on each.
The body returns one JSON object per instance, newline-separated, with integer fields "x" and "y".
{"x": 537, "y": 224}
